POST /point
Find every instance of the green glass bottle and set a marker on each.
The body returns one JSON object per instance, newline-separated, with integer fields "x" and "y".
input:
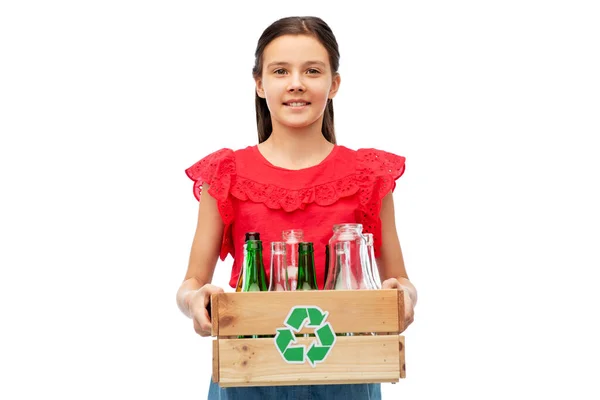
{"x": 254, "y": 268}
{"x": 249, "y": 236}
{"x": 307, "y": 276}
{"x": 254, "y": 279}
{"x": 326, "y": 265}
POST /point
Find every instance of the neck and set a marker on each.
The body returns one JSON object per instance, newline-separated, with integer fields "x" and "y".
{"x": 296, "y": 148}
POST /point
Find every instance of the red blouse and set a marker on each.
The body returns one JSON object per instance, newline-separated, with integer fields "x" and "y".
{"x": 254, "y": 195}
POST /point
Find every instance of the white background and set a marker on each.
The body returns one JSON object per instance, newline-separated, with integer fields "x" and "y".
{"x": 104, "y": 104}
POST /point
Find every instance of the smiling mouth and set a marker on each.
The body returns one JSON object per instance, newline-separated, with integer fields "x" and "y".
{"x": 296, "y": 104}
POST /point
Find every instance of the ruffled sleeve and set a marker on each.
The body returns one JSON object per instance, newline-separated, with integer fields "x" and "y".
{"x": 218, "y": 171}
{"x": 377, "y": 172}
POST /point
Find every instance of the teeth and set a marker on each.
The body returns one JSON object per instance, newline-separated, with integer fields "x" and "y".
{"x": 296, "y": 104}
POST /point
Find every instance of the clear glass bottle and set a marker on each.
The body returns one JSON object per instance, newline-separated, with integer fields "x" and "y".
{"x": 278, "y": 271}
{"x": 292, "y": 238}
{"x": 373, "y": 268}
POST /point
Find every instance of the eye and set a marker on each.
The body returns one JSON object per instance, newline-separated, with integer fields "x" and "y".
{"x": 279, "y": 71}
{"x": 313, "y": 71}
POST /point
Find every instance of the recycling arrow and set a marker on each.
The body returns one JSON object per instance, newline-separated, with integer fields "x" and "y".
{"x": 283, "y": 340}
{"x": 296, "y": 318}
{"x": 316, "y": 316}
{"x": 311, "y": 317}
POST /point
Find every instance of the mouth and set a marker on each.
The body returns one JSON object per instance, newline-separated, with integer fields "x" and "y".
{"x": 296, "y": 104}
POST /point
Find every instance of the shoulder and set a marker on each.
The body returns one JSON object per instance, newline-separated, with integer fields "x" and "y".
{"x": 222, "y": 160}
{"x": 375, "y": 162}
{"x": 217, "y": 169}
{"x": 382, "y": 162}
{"x": 376, "y": 173}
{"x": 206, "y": 168}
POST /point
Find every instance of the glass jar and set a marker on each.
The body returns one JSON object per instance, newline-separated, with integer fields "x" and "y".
{"x": 348, "y": 261}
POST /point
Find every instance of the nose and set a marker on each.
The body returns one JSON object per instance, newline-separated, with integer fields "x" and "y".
{"x": 296, "y": 84}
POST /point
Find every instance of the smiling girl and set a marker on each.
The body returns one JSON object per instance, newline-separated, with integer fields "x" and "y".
{"x": 295, "y": 177}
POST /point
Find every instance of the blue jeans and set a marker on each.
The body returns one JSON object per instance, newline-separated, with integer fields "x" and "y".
{"x": 370, "y": 391}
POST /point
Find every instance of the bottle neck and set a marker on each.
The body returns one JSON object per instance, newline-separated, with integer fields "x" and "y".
{"x": 254, "y": 272}
{"x": 307, "y": 279}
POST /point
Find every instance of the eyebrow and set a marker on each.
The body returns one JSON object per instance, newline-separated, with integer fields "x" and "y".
{"x": 286, "y": 63}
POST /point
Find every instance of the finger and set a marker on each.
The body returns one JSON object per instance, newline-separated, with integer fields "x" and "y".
{"x": 210, "y": 290}
{"x": 202, "y": 324}
{"x": 391, "y": 283}
{"x": 219, "y": 289}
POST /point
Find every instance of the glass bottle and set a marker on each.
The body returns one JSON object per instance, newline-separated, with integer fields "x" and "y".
{"x": 373, "y": 268}
{"x": 326, "y": 273}
{"x": 254, "y": 269}
{"x": 307, "y": 276}
{"x": 292, "y": 237}
{"x": 368, "y": 282}
{"x": 249, "y": 236}
{"x": 278, "y": 272}
{"x": 252, "y": 273}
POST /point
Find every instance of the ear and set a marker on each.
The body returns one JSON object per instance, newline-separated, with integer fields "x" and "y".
{"x": 335, "y": 86}
{"x": 260, "y": 90}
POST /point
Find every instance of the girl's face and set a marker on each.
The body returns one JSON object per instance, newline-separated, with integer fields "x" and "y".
{"x": 296, "y": 80}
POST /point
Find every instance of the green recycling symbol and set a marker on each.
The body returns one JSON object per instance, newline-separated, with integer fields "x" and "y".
{"x": 312, "y": 317}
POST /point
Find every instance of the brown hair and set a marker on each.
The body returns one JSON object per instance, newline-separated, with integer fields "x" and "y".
{"x": 312, "y": 26}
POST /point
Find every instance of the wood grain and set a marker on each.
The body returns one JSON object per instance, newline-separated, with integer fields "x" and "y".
{"x": 215, "y": 361}
{"x": 353, "y": 359}
{"x": 402, "y": 358}
{"x": 261, "y": 313}
{"x": 214, "y": 312}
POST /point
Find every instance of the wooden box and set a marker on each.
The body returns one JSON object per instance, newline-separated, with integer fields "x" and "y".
{"x": 307, "y": 337}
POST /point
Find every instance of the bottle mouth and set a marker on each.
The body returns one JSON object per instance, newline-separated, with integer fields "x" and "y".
{"x": 252, "y": 236}
{"x": 295, "y": 234}
{"x": 338, "y": 227}
{"x": 305, "y": 246}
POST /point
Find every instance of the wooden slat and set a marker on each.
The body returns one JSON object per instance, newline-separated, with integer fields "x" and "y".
{"x": 214, "y": 314}
{"x": 261, "y": 313}
{"x": 215, "y": 370}
{"x": 401, "y": 326}
{"x": 354, "y": 359}
{"x": 402, "y": 357}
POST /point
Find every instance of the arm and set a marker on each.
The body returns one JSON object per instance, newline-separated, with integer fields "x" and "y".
{"x": 194, "y": 293}
{"x": 390, "y": 261}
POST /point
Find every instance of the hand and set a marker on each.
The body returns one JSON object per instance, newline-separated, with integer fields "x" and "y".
{"x": 198, "y": 308}
{"x": 410, "y": 295}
